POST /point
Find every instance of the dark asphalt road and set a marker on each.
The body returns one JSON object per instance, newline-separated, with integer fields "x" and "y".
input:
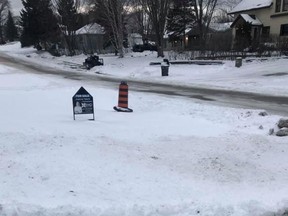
{"x": 272, "y": 104}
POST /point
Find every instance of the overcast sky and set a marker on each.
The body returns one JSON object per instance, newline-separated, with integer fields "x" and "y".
{"x": 16, "y": 6}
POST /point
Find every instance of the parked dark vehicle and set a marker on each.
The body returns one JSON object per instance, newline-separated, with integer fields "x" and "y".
{"x": 138, "y": 48}
{"x": 151, "y": 47}
{"x": 93, "y": 61}
{"x": 144, "y": 47}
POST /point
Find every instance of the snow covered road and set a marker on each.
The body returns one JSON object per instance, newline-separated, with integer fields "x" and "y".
{"x": 231, "y": 98}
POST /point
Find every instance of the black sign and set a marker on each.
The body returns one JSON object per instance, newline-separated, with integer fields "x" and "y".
{"x": 82, "y": 103}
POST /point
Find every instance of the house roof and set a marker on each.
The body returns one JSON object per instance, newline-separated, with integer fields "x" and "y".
{"x": 92, "y": 28}
{"x": 253, "y": 20}
{"x": 246, "y": 5}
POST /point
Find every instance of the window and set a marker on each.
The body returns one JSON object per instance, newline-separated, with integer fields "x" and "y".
{"x": 284, "y": 30}
{"x": 278, "y": 6}
{"x": 285, "y": 5}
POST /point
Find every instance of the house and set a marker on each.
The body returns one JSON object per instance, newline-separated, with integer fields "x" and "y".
{"x": 259, "y": 21}
{"x": 176, "y": 40}
{"x": 218, "y": 36}
{"x": 90, "y": 38}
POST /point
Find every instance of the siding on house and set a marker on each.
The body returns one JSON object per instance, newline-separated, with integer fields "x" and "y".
{"x": 90, "y": 38}
{"x": 90, "y": 43}
{"x": 267, "y": 16}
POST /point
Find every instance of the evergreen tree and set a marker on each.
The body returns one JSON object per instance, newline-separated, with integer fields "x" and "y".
{"x": 39, "y": 24}
{"x": 28, "y": 22}
{"x": 68, "y": 17}
{"x": 10, "y": 28}
{"x": 180, "y": 17}
{"x": 68, "y": 13}
{"x": 4, "y": 8}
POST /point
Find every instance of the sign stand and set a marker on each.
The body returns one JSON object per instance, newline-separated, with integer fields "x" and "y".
{"x": 82, "y": 103}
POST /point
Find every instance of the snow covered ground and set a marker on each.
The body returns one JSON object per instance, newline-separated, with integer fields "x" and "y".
{"x": 267, "y": 77}
{"x": 171, "y": 156}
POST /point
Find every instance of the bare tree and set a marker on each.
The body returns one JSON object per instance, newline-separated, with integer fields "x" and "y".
{"x": 204, "y": 10}
{"x": 224, "y": 7}
{"x": 140, "y": 19}
{"x": 4, "y": 10}
{"x": 229, "y": 3}
{"x": 113, "y": 13}
{"x": 222, "y": 16}
{"x": 157, "y": 11}
{"x": 136, "y": 19}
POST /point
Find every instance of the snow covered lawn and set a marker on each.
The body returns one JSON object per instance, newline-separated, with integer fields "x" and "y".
{"x": 266, "y": 77}
{"x": 171, "y": 156}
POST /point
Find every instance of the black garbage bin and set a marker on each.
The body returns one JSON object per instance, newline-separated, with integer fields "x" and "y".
{"x": 165, "y": 70}
{"x": 165, "y": 67}
{"x": 238, "y": 62}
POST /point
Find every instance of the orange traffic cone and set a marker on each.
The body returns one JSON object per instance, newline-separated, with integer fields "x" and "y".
{"x": 123, "y": 99}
